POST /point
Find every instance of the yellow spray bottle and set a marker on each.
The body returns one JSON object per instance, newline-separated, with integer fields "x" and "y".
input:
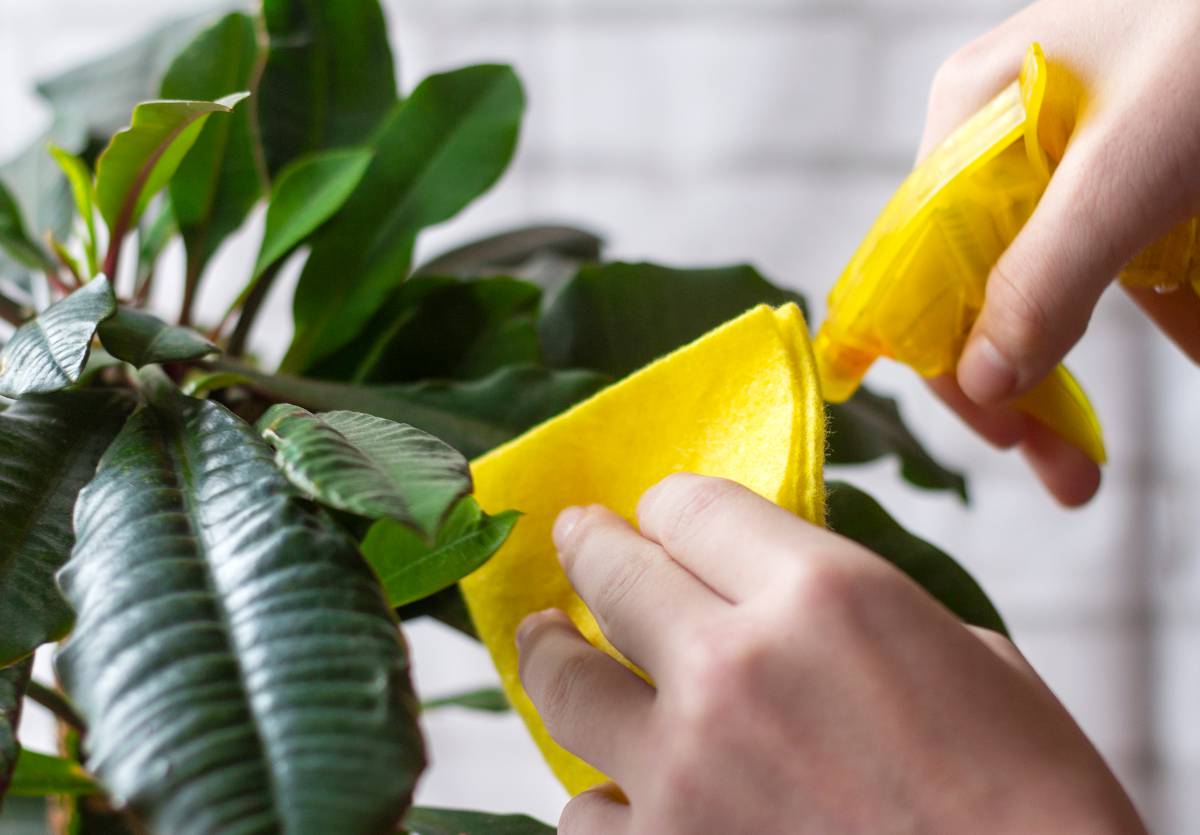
{"x": 915, "y": 286}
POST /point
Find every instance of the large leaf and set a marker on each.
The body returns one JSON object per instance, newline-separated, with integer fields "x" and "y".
{"x": 15, "y": 238}
{"x": 83, "y": 190}
{"x": 411, "y": 568}
{"x": 504, "y": 252}
{"x": 218, "y": 182}
{"x": 429, "y": 821}
{"x": 433, "y": 327}
{"x": 141, "y": 159}
{"x": 473, "y": 417}
{"x": 12, "y": 692}
{"x": 139, "y": 338}
{"x": 438, "y": 151}
{"x": 617, "y": 318}
{"x": 367, "y": 465}
{"x": 329, "y": 78}
{"x": 49, "y": 447}
{"x": 857, "y": 516}
{"x": 233, "y": 657}
{"x": 869, "y": 427}
{"x": 48, "y": 353}
{"x": 41, "y": 775}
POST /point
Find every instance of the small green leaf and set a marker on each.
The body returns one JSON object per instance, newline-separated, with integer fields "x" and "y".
{"x": 438, "y": 151}
{"x": 472, "y": 417}
{"x": 617, "y": 318}
{"x": 856, "y": 515}
{"x": 367, "y": 465}
{"x": 218, "y": 182}
{"x": 329, "y": 78}
{"x": 141, "y": 159}
{"x": 49, "y": 447}
{"x": 868, "y": 427}
{"x": 501, "y": 254}
{"x": 486, "y": 699}
{"x": 13, "y": 681}
{"x": 41, "y": 775}
{"x": 429, "y": 821}
{"x": 201, "y": 384}
{"x": 48, "y": 353}
{"x": 83, "y": 189}
{"x": 141, "y": 339}
{"x": 15, "y": 239}
{"x": 411, "y": 568}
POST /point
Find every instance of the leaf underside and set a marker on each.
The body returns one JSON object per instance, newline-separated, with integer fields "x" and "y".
{"x": 235, "y": 661}
{"x": 140, "y": 339}
{"x": 429, "y": 821}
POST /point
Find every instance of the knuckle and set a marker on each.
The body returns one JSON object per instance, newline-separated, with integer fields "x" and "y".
{"x": 823, "y": 589}
{"x": 583, "y": 539}
{"x": 561, "y": 691}
{"x": 623, "y": 578}
{"x": 1021, "y": 314}
{"x": 958, "y": 72}
{"x": 719, "y": 667}
{"x": 693, "y": 499}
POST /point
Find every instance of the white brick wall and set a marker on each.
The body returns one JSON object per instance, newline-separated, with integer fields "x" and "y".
{"x": 708, "y": 131}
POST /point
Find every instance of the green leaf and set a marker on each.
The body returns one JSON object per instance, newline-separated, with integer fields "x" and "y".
{"x": 367, "y": 465}
{"x": 438, "y": 151}
{"x": 486, "y": 699}
{"x": 83, "y": 189}
{"x": 141, "y": 159}
{"x": 201, "y": 384}
{"x": 48, "y": 353}
{"x": 617, "y": 318}
{"x": 411, "y": 568}
{"x": 428, "y": 821}
{"x": 869, "y": 427}
{"x": 472, "y": 417}
{"x": 141, "y": 339}
{"x": 502, "y": 253}
{"x": 15, "y": 239}
{"x": 433, "y": 328}
{"x": 41, "y": 775}
{"x": 856, "y": 515}
{"x": 329, "y": 78}
{"x": 49, "y": 447}
{"x": 13, "y": 681}
{"x": 218, "y": 182}
{"x": 447, "y": 606}
{"x": 235, "y": 661}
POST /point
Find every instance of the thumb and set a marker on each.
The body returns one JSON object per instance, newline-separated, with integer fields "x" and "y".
{"x": 1042, "y": 292}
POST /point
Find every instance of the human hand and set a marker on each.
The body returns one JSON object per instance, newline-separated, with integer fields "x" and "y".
{"x": 802, "y": 685}
{"x": 1130, "y": 173}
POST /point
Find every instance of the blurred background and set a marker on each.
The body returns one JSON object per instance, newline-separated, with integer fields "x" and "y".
{"x": 705, "y": 132}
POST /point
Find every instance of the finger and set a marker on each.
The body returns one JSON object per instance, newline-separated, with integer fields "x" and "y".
{"x": 638, "y": 594}
{"x": 1001, "y": 426}
{"x": 735, "y": 541}
{"x": 1070, "y": 476}
{"x": 1177, "y": 314}
{"x": 597, "y": 811}
{"x": 591, "y": 705}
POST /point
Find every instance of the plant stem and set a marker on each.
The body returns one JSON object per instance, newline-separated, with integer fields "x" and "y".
{"x": 57, "y": 283}
{"x": 57, "y": 704}
{"x": 241, "y": 332}
{"x": 191, "y": 282}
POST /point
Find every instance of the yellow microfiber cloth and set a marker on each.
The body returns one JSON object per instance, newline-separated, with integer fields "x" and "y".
{"x": 742, "y": 403}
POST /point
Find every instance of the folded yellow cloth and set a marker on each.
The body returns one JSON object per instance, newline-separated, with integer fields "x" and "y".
{"x": 742, "y": 403}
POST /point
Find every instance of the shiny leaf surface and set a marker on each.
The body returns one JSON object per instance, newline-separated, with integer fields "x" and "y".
{"x": 486, "y": 699}
{"x": 49, "y": 352}
{"x": 139, "y": 338}
{"x": 236, "y": 663}
{"x": 502, "y": 253}
{"x": 429, "y": 821}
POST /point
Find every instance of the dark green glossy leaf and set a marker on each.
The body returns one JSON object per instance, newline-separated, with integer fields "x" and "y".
{"x": 329, "y": 78}
{"x": 501, "y": 254}
{"x": 233, "y": 657}
{"x": 447, "y": 606}
{"x": 141, "y": 159}
{"x": 429, "y": 821}
{"x": 49, "y": 447}
{"x": 368, "y": 465}
{"x": 41, "y": 775}
{"x": 442, "y": 328}
{"x": 15, "y": 238}
{"x": 201, "y": 383}
{"x": 83, "y": 190}
{"x": 868, "y": 427}
{"x": 617, "y": 318}
{"x": 13, "y": 680}
{"x": 218, "y": 182}
{"x": 486, "y": 699}
{"x": 857, "y": 516}
{"x": 411, "y": 568}
{"x": 473, "y": 417}
{"x": 141, "y": 339}
{"x": 438, "y": 151}
{"x": 48, "y": 353}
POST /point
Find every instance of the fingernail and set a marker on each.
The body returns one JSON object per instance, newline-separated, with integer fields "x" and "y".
{"x": 564, "y": 524}
{"x": 984, "y": 374}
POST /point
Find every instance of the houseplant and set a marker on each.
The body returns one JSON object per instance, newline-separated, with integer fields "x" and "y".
{"x": 201, "y": 533}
